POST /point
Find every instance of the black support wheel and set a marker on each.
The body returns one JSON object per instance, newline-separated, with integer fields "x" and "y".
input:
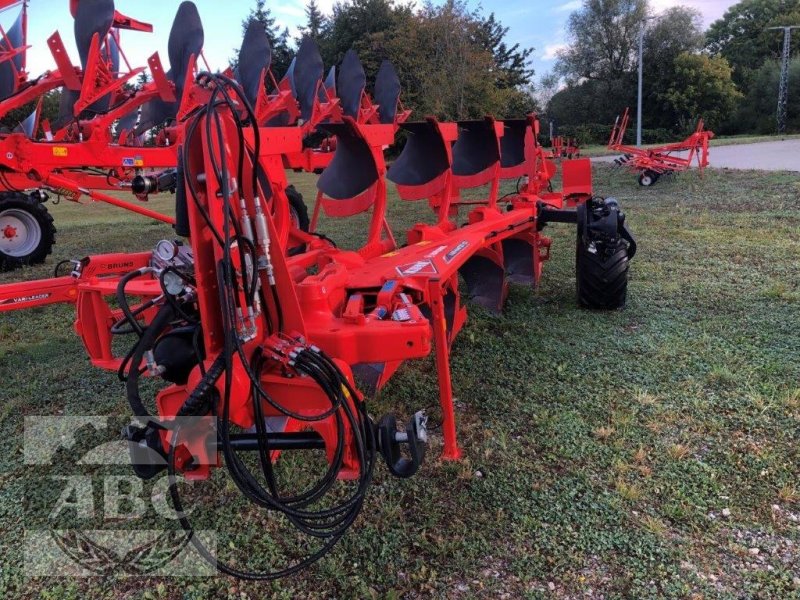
{"x": 648, "y": 178}
{"x": 298, "y": 211}
{"x": 602, "y": 275}
{"x": 603, "y": 251}
{"x": 27, "y": 233}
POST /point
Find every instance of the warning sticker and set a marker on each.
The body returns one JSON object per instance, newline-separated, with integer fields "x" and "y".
{"x": 132, "y": 161}
{"x": 60, "y": 151}
{"x": 421, "y": 267}
{"x": 435, "y": 252}
{"x": 456, "y": 251}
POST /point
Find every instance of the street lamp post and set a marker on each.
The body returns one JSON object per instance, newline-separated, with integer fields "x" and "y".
{"x": 641, "y": 73}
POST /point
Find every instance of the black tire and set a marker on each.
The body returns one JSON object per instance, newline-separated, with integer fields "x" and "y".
{"x": 648, "y": 178}
{"x": 298, "y": 211}
{"x": 601, "y": 275}
{"x": 21, "y": 211}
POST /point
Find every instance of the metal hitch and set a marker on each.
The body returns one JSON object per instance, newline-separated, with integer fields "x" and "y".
{"x": 390, "y": 441}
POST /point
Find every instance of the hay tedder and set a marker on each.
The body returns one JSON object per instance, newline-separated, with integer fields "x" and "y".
{"x": 653, "y": 162}
{"x": 277, "y": 333}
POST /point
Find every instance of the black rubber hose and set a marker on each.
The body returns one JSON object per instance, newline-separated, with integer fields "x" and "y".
{"x": 122, "y": 300}
{"x": 160, "y": 322}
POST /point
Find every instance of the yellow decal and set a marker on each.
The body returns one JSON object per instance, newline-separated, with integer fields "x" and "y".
{"x": 388, "y": 254}
{"x": 138, "y": 162}
{"x": 60, "y": 151}
{"x": 423, "y": 243}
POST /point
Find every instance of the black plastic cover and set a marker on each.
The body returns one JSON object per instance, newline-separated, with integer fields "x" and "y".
{"x": 255, "y": 56}
{"x": 352, "y": 170}
{"x": 476, "y": 148}
{"x": 351, "y": 83}
{"x": 387, "y": 92}
{"x": 185, "y": 39}
{"x": 424, "y": 157}
{"x": 307, "y": 74}
{"x": 512, "y": 144}
{"x": 92, "y": 16}
{"x": 9, "y": 68}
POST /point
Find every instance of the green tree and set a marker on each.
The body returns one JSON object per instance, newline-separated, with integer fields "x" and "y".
{"x": 742, "y": 35}
{"x": 49, "y": 111}
{"x": 675, "y": 31}
{"x": 453, "y": 62}
{"x": 315, "y": 22}
{"x": 757, "y": 111}
{"x": 702, "y": 87}
{"x": 603, "y": 37}
{"x": 512, "y": 68}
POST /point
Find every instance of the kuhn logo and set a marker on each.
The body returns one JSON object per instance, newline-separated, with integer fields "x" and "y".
{"x": 21, "y": 299}
{"x": 421, "y": 267}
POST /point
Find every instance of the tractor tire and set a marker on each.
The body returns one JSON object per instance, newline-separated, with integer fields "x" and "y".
{"x": 27, "y": 233}
{"x": 601, "y": 274}
{"x": 648, "y": 178}
{"x": 602, "y": 261}
{"x": 298, "y": 211}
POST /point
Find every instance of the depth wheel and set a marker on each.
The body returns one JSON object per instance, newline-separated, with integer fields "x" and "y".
{"x": 298, "y": 213}
{"x": 601, "y": 275}
{"x": 27, "y": 233}
{"x": 648, "y": 178}
{"x": 603, "y": 250}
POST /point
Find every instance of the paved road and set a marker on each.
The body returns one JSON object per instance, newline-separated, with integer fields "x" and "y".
{"x": 767, "y": 156}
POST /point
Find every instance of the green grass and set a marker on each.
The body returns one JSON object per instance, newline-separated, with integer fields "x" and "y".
{"x": 608, "y": 444}
{"x": 594, "y": 150}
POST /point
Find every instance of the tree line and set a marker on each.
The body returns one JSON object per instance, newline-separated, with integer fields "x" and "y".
{"x": 454, "y": 62}
{"x": 727, "y": 75}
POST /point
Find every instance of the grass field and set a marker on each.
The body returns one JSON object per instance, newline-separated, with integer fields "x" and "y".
{"x": 647, "y": 453}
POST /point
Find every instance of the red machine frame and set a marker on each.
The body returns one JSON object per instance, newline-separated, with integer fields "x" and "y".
{"x": 276, "y": 325}
{"x": 653, "y": 162}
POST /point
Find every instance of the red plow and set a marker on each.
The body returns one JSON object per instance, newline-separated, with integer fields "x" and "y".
{"x": 653, "y": 162}
{"x": 274, "y": 337}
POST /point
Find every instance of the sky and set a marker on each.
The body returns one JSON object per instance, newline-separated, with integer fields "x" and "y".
{"x": 532, "y": 23}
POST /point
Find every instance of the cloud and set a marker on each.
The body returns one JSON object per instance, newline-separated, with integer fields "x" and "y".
{"x": 289, "y": 9}
{"x": 551, "y": 51}
{"x": 570, "y": 6}
{"x": 711, "y": 9}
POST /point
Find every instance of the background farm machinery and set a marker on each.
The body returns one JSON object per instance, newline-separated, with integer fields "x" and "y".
{"x": 653, "y": 162}
{"x": 271, "y": 340}
{"x": 561, "y": 147}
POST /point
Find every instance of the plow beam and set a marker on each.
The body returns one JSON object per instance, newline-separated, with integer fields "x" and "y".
{"x": 30, "y": 294}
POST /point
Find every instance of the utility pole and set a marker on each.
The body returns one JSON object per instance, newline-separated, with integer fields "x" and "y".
{"x": 641, "y": 75}
{"x": 783, "y": 90}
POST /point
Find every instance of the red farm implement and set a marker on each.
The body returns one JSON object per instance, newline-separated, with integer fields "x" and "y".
{"x": 561, "y": 147}
{"x": 94, "y": 145}
{"x": 262, "y": 344}
{"x": 653, "y": 162}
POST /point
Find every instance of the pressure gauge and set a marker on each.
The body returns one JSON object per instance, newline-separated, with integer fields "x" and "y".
{"x": 166, "y": 250}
